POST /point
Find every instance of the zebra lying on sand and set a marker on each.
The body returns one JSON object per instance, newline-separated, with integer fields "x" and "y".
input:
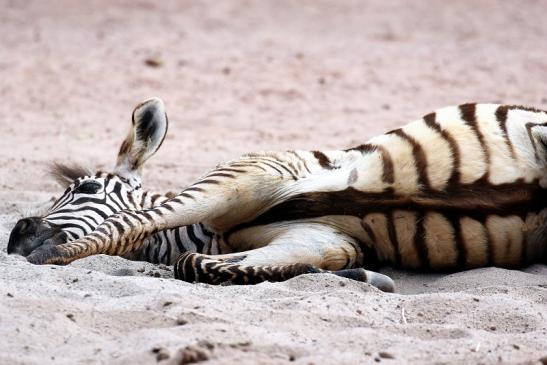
{"x": 461, "y": 188}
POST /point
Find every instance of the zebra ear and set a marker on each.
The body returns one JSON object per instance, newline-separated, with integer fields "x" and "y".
{"x": 144, "y": 139}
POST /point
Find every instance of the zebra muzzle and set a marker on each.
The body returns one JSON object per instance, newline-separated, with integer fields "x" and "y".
{"x": 31, "y": 233}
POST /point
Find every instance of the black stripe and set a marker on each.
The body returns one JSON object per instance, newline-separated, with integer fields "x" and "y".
{"x": 88, "y": 227}
{"x": 156, "y": 250}
{"x": 178, "y": 240}
{"x": 529, "y": 127}
{"x": 501, "y": 117}
{"x": 188, "y": 268}
{"x": 147, "y": 253}
{"x": 192, "y": 236}
{"x": 112, "y": 200}
{"x": 205, "y": 230}
{"x": 166, "y": 258}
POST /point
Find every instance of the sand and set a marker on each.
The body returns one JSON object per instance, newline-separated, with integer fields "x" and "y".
{"x": 240, "y": 76}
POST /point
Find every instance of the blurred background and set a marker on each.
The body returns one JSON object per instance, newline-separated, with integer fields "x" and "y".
{"x": 239, "y": 76}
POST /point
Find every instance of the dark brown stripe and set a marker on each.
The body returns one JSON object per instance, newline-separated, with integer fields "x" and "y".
{"x": 419, "y": 241}
{"x": 364, "y": 148}
{"x": 128, "y": 222}
{"x": 193, "y": 188}
{"x": 526, "y": 108}
{"x": 249, "y": 164}
{"x": 431, "y": 121}
{"x": 471, "y": 199}
{"x": 388, "y": 175}
{"x": 208, "y": 181}
{"x": 301, "y": 159}
{"x": 132, "y": 201}
{"x": 147, "y": 215}
{"x": 186, "y": 195}
{"x": 323, "y": 160}
{"x": 135, "y": 216}
{"x": 153, "y": 198}
{"x": 468, "y": 114}
{"x": 221, "y": 174}
{"x": 369, "y": 231}
{"x": 524, "y": 249}
{"x": 176, "y": 200}
{"x": 167, "y": 205}
{"x": 419, "y": 157}
{"x": 271, "y": 165}
{"x": 455, "y": 221}
{"x": 281, "y": 165}
{"x": 501, "y": 117}
{"x": 489, "y": 244}
{"x": 390, "y": 221}
{"x": 482, "y": 219}
{"x": 231, "y": 170}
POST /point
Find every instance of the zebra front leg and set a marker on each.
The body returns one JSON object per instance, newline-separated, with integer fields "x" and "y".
{"x": 303, "y": 249}
{"x": 222, "y": 204}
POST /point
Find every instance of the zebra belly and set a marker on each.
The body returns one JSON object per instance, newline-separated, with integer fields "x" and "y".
{"x": 449, "y": 241}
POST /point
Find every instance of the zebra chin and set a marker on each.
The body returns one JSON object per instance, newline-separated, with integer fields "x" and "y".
{"x": 33, "y": 232}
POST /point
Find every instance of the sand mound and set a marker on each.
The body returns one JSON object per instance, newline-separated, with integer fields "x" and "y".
{"x": 239, "y": 76}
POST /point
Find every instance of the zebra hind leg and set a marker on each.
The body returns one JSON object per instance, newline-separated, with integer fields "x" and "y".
{"x": 194, "y": 267}
{"x": 302, "y": 248}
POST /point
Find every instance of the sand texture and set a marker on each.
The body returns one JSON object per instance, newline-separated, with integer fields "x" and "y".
{"x": 241, "y": 76}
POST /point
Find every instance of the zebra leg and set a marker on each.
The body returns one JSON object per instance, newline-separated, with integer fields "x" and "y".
{"x": 317, "y": 250}
{"x": 220, "y": 205}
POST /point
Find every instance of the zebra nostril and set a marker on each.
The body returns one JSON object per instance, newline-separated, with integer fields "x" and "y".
{"x": 22, "y": 226}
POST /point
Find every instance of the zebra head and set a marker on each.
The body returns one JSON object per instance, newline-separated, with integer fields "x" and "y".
{"x": 90, "y": 198}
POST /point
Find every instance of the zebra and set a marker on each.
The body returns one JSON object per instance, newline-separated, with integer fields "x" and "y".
{"x": 463, "y": 187}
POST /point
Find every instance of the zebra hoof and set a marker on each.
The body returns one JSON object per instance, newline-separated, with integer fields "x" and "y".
{"x": 45, "y": 255}
{"x": 380, "y": 281}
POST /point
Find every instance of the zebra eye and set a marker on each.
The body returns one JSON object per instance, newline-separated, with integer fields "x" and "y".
{"x": 89, "y": 187}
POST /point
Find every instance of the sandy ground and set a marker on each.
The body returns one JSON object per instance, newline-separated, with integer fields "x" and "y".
{"x": 239, "y": 76}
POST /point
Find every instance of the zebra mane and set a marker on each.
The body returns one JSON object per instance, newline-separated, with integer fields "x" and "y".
{"x": 65, "y": 174}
